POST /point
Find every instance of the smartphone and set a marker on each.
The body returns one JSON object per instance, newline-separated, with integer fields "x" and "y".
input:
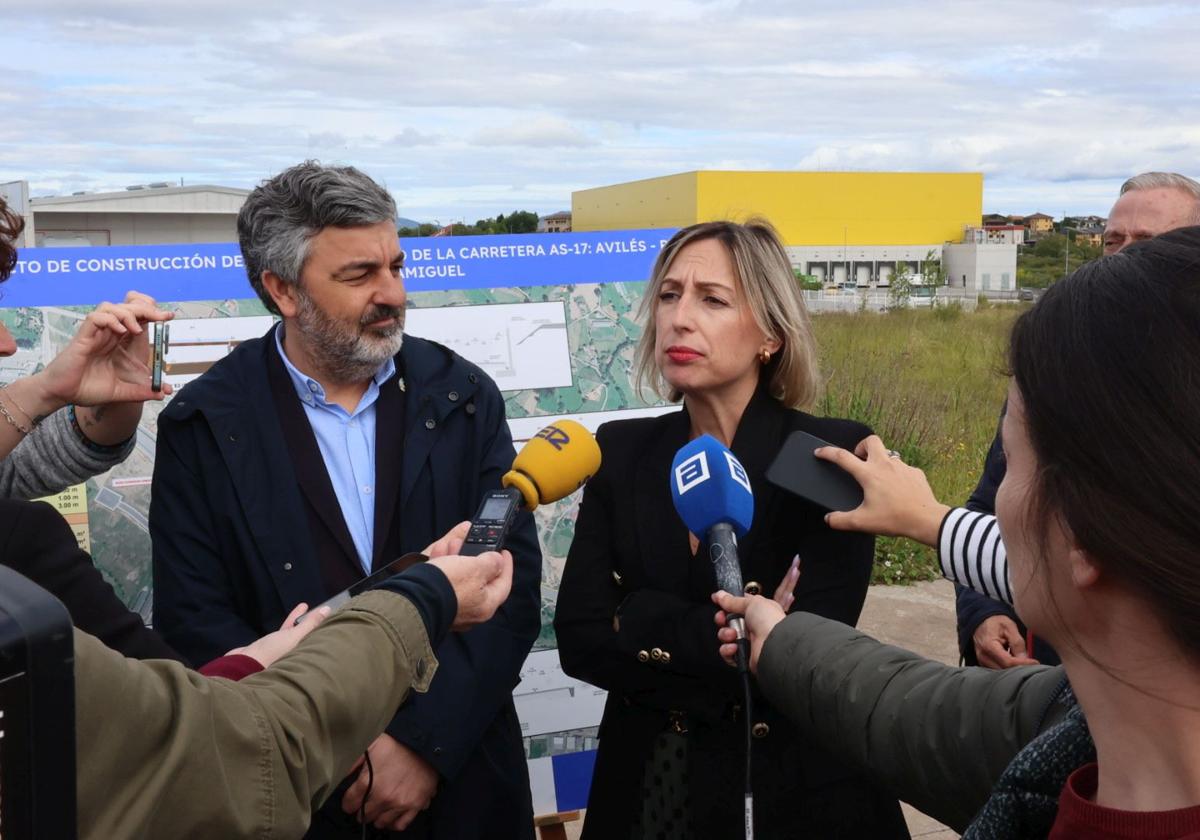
{"x": 798, "y": 471}
{"x": 369, "y": 582}
{"x": 161, "y": 332}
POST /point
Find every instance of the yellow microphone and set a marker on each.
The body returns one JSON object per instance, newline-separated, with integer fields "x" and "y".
{"x": 556, "y": 462}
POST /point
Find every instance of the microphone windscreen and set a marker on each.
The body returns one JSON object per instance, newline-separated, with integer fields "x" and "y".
{"x": 554, "y": 463}
{"x": 709, "y": 485}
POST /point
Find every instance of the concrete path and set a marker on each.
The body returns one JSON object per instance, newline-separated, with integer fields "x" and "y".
{"x": 919, "y": 618}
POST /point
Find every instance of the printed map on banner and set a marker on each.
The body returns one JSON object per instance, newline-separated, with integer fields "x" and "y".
{"x": 556, "y": 333}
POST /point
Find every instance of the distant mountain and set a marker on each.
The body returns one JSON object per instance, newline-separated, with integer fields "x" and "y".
{"x": 401, "y": 222}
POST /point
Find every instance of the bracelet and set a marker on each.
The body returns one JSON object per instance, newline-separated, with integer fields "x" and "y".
{"x": 12, "y": 421}
{"x": 32, "y": 421}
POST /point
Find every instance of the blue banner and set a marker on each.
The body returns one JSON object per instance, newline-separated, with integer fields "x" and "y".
{"x": 86, "y": 276}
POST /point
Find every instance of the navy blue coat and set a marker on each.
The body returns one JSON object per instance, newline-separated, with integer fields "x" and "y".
{"x": 233, "y": 553}
{"x": 973, "y": 607}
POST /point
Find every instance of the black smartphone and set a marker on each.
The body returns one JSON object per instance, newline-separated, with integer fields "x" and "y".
{"x": 161, "y": 333}
{"x": 369, "y": 582}
{"x": 798, "y": 471}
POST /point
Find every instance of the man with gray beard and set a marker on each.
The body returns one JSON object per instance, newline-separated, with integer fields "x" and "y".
{"x": 314, "y": 455}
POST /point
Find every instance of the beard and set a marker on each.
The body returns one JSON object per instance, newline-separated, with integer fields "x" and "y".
{"x": 344, "y": 352}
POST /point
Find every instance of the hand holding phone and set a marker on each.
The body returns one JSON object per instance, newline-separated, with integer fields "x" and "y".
{"x": 888, "y": 497}
{"x": 797, "y": 470}
{"x": 162, "y": 331}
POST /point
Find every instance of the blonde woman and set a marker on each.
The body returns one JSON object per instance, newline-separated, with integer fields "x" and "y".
{"x": 727, "y": 334}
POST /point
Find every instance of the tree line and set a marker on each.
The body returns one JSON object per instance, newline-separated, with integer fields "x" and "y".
{"x": 519, "y": 221}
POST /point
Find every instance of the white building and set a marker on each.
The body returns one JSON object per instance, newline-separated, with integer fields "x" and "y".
{"x": 984, "y": 262}
{"x": 156, "y": 214}
{"x": 863, "y": 266}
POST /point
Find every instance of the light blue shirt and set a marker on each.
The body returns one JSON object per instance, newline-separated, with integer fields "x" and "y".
{"x": 347, "y": 444}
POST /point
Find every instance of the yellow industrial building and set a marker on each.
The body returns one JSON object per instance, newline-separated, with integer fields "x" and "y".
{"x": 845, "y": 227}
{"x": 807, "y": 208}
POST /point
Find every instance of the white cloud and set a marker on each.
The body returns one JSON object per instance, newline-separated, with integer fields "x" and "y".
{"x": 537, "y": 133}
{"x": 493, "y": 105}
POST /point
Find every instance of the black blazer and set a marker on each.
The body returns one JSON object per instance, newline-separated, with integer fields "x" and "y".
{"x": 631, "y": 556}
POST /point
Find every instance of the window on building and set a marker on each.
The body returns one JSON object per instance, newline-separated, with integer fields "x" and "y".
{"x": 986, "y": 281}
{"x": 1006, "y": 280}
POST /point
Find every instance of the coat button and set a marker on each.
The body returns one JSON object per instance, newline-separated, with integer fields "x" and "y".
{"x": 643, "y": 656}
{"x": 666, "y": 658}
{"x": 430, "y": 424}
{"x": 760, "y": 730}
{"x": 470, "y": 408}
{"x": 656, "y": 654}
{"x": 453, "y": 396}
{"x": 473, "y": 378}
{"x": 753, "y": 588}
{"x": 287, "y": 567}
{"x": 616, "y": 577}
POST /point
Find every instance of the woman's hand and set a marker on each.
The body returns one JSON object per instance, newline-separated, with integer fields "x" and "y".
{"x": 108, "y": 359}
{"x": 760, "y": 615}
{"x": 274, "y": 645}
{"x": 785, "y": 593}
{"x": 897, "y": 498}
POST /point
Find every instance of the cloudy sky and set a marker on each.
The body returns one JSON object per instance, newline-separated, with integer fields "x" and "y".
{"x": 467, "y": 109}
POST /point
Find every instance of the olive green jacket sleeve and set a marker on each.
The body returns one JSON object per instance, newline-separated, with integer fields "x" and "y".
{"x": 165, "y": 752}
{"x": 937, "y": 736}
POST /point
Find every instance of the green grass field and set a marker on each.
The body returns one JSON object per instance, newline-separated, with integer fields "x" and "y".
{"x": 930, "y": 383}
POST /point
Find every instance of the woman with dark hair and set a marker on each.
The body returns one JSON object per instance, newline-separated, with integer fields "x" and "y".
{"x": 726, "y": 333}
{"x": 1100, "y": 514}
{"x": 76, "y": 417}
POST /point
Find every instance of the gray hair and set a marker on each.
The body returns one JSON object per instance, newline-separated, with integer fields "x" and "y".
{"x": 1165, "y": 181}
{"x": 283, "y": 214}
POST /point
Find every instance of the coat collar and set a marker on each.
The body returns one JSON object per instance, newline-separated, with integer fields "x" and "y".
{"x": 661, "y": 534}
{"x": 234, "y": 398}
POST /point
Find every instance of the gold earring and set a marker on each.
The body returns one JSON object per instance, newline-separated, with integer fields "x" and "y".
{"x": 764, "y": 355}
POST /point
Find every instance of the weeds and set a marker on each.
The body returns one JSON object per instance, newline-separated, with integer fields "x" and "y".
{"x": 929, "y": 383}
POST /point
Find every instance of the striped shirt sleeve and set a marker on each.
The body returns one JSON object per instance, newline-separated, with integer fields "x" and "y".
{"x": 972, "y": 554}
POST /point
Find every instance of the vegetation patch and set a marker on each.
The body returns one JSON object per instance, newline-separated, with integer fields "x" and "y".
{"x": 930, "y": 382}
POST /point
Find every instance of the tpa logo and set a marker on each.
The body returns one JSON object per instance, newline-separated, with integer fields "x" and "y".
{"x": 554, "y": 436}
{"x": 738, "y": 472}
{"x": 691, "y": 472}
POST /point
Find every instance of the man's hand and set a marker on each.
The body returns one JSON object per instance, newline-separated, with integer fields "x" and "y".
{"x": 481, "y": 584}
{"x": 897, "y": 498}
{"x": 451, "y": 543}
{"x": 402, "y": 785}
{"x": 274, "y": 645}
{"x": 998, "y": 644}
{"x": 760, "y": 615}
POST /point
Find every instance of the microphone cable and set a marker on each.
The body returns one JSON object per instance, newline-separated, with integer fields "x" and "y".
{"x": 742, "y": 659}
{"x": 362, "y": 806}
{"x": 749, "y": 801}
